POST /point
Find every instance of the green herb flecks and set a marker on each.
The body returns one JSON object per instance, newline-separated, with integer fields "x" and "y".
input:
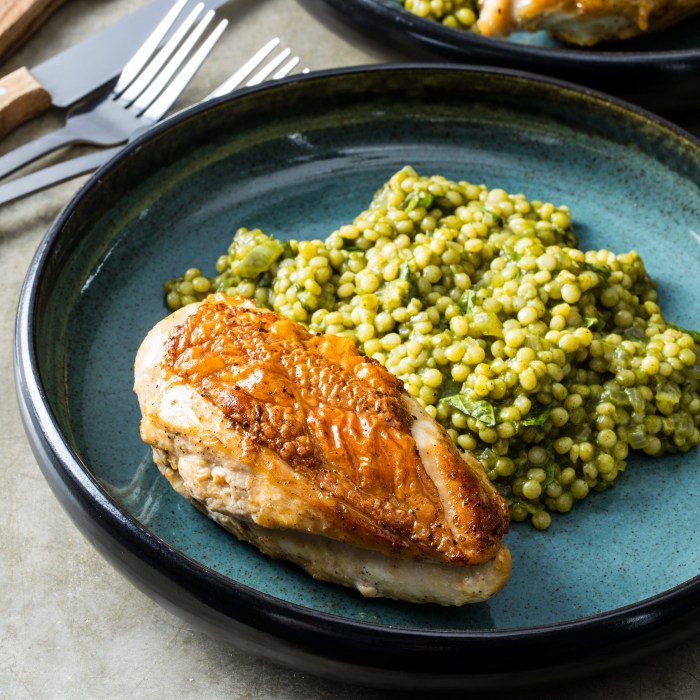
{"x": 424, "y": 200}
{"x": 479, "y": 409}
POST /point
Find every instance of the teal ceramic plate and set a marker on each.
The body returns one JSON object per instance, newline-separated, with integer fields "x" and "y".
{"x": 607, "y": 582}
{"x": 659, "y": 71}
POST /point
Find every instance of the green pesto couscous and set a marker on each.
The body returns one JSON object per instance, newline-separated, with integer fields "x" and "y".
{"x": 459, "y": 14}
{"x": 549, "y": 363}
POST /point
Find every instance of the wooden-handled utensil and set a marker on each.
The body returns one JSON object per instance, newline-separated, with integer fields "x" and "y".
{"x": 80, "y": 70}
{"x": 19, "y": 19}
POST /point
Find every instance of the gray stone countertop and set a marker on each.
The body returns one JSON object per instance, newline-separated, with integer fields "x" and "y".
{"x": 70, "y": 625}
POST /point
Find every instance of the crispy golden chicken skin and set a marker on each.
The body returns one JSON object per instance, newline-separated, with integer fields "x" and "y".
{"x": 582, "y": 22}
{"x": 314, "y": 453}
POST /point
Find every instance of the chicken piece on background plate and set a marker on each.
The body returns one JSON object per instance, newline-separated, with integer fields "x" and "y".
{"x": 582, "y": 22}
{"x": 296, "y": 443}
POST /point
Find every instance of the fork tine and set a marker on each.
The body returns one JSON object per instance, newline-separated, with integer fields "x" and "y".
{"x": 140, "y": 58}
{"x": 237, "y": 78}
{"x": 143, "y": 80}
{"x": 287, "y": 68}
{"x": 171, "y": 67}
{"x": 267, "y": 70}
{"x": 172, "y": 92}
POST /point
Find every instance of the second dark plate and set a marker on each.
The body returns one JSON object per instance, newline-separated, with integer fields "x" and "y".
{"x": 660, "y": 71}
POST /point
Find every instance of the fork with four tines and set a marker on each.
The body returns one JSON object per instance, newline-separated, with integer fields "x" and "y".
{"x": 147, "y": 87}
{"x": 268, "y": 63}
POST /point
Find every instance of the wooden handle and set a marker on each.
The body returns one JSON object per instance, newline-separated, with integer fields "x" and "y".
{"x": 19, "y": 19}
{"x": 21, "y": 98}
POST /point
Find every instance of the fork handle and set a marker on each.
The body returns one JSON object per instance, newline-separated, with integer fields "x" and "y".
{"x": 21, "y": 98}
{"x": 30, "y": 151}
{"x": 54, "y": 174}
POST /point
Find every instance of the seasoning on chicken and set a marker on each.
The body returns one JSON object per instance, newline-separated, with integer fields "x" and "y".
{"x": 315, "y": 454}
{"x": 582, "y": 22}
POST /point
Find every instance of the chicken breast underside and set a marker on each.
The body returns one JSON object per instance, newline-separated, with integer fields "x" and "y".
{"x": 263, "y": 499}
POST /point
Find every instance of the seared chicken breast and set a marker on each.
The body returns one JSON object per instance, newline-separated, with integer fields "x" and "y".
{"x": 582, "y": 22}
{"x": 313, "y": 453}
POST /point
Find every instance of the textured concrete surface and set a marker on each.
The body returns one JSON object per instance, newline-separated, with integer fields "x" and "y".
{"x": 70, "y": 626}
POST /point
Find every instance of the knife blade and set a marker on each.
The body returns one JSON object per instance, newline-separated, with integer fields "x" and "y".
{"x": 81, "y": 69}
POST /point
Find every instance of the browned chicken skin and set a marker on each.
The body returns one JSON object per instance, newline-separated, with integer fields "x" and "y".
{"x": 582, "y": 22}
{"x": 319, "y": 441}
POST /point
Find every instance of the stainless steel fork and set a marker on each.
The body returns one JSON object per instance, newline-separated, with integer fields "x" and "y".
{"x": 278, "y": 66}
{"x": 147, "y": 87}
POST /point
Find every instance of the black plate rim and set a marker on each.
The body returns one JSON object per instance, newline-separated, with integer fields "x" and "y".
{"x": 76, "y": 487}
{"x": 430, "y": 32}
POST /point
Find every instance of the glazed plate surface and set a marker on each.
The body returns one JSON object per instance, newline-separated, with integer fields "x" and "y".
{"x": 611, "y": 580}
{"x": 659, "y": 71}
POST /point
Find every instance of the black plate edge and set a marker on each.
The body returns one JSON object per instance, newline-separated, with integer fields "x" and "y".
{"x": 661, "y": 80}
{"x": 376, "y": 17}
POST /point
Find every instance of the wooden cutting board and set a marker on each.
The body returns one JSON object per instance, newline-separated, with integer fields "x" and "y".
{"x": 19, "y": 19}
